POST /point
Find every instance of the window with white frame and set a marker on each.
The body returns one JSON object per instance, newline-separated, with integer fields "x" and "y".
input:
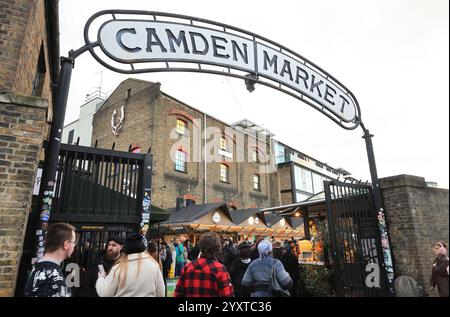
{"x": 180, "y": 161}
{"x": 223, "y": 143}
{"x": 303, "y": 179}
{"x": 181, "y": 126}
{"x": 256, "y": 182}
{"x": 255, "y": 157}
{"x": 224, "y": 173}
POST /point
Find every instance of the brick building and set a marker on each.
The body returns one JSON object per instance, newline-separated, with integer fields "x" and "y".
{"x": 242, "y": 170}
{"x": 175, "y": 133}
{"x": 29, "y": 65}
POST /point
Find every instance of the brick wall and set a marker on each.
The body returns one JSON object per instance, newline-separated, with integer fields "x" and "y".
{"x": 417, "y": 216}
{"x": 22, "y": 34}
{"x": 22, "y": 126}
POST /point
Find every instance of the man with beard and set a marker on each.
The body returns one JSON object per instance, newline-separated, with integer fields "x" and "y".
{"x": 107, "y": 260}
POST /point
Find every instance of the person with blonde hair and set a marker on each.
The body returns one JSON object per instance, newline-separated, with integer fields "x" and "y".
{"x": 439, "y": 271}
{"x": 136, "y": 273}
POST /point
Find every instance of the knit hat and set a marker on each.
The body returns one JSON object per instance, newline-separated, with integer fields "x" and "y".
{"x": 264, "y": 248}
{"x": 134, "y": 244}
{"x": 116, "y": 239}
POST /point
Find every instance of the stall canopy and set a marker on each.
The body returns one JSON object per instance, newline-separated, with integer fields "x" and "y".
{"x": 218, "y": 217}
{"x": 191, "y": 214}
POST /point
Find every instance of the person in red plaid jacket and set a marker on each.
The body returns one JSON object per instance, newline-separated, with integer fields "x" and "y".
{"x": 205, "y": 277}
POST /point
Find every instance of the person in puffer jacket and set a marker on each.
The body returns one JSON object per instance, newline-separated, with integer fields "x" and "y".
{"x": 257, "y": 276}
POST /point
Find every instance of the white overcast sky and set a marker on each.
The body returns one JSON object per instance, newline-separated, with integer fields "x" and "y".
{"x": 392, "y": 54}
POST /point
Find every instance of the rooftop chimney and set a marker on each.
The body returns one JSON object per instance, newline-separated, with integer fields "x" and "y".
{"x": 180, "y": 203}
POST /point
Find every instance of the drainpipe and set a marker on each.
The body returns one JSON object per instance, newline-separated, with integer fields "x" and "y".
{"x": 204, "y": 157}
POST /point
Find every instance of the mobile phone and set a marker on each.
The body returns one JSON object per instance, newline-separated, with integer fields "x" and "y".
{"x": 101, "y": 268}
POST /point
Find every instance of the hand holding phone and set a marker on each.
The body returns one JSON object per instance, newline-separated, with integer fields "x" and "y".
{"x": 101, "y": 270}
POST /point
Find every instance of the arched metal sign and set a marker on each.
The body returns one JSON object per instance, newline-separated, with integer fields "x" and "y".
{"x": 134, "y": 42}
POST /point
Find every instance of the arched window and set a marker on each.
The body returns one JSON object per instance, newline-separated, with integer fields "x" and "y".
{"x": 180, "y": 161}
{"x": 256, "y": 182}
{"x": 181, "y": 126}
{"x": 224, "y": 173}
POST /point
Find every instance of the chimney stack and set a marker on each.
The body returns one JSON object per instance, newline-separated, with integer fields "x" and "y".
{"x": 180, "y": 203}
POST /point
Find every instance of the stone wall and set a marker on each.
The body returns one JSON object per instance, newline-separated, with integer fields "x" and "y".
{"x": 417, "y": 217}
{"x": 22, "y": 126}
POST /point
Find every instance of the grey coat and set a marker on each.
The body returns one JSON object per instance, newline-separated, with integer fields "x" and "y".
{"x": 257, "y": 276}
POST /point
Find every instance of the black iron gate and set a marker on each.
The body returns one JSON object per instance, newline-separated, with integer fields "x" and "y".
{"x": 356, "y": 252}
{"x": 98, "y": 191}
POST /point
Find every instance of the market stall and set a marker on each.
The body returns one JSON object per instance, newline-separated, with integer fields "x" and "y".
{"x": 240, "y": 225}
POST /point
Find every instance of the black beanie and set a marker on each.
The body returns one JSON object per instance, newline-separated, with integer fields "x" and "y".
{"x": 134, "y": 244}
{"x": 116, "y": 239}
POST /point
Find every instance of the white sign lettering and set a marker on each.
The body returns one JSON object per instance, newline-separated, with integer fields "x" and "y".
{"x": 139, "y": 41}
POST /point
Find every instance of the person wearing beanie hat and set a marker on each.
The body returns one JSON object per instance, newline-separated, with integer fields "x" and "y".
{"x": 258, "y": 274}
{"x": 264, "y": 248}
{"x": 134, "y": 244}
{"x": 104, "y": 260}
{"x": 135, "y": 274}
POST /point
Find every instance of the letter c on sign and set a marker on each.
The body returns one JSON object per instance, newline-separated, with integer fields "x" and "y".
{"x": 119, "y": 40}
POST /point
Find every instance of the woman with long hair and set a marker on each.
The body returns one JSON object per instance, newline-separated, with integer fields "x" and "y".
{"x": 135, "y": 274}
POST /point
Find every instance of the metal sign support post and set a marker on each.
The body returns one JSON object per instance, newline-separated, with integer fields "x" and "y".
{"x": 385, "y": 243}
{"x": 52, "y": 153}
{"x": 46, "y": 191}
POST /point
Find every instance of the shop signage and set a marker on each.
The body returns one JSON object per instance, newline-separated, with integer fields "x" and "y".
{"x": 147, "y": 40}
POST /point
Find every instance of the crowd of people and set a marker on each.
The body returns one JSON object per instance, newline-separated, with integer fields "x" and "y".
{"x": 236, "y": 259}
{"x": 214, "y": 267}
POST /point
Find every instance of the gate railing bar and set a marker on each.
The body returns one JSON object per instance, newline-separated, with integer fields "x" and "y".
{"x": 101, "y": 167}
{"x": 339, "y": 239}
{"x": 359, "y": 216}
{"x": 129, "y": 192}
{"x": 91, "y": 151}
{"x": 356, "y": 209}
{"x": 331, "y": 228}
{"x": 108, "y": 191}
{"x": 338, "y": 183}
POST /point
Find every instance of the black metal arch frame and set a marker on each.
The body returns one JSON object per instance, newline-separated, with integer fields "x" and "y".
{"x": 253, "y": 77}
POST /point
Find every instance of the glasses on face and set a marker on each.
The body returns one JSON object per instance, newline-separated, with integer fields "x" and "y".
{"x": 74, "y": 242}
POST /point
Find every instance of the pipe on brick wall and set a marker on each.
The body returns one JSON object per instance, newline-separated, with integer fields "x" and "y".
{"x": 204, "y": 157}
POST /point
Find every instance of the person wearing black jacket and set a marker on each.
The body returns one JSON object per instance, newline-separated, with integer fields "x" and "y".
{"x": 230, "y": 253}
{"x": 107, "y": 259}
{"x": 166, "y": 259}
{"x": 290, "y": 263}
{"x": 46, "y": 278}
{"x": 238, "y": 269}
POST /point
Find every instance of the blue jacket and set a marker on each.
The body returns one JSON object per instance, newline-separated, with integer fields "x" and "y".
{"x": 257, "y": 276}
